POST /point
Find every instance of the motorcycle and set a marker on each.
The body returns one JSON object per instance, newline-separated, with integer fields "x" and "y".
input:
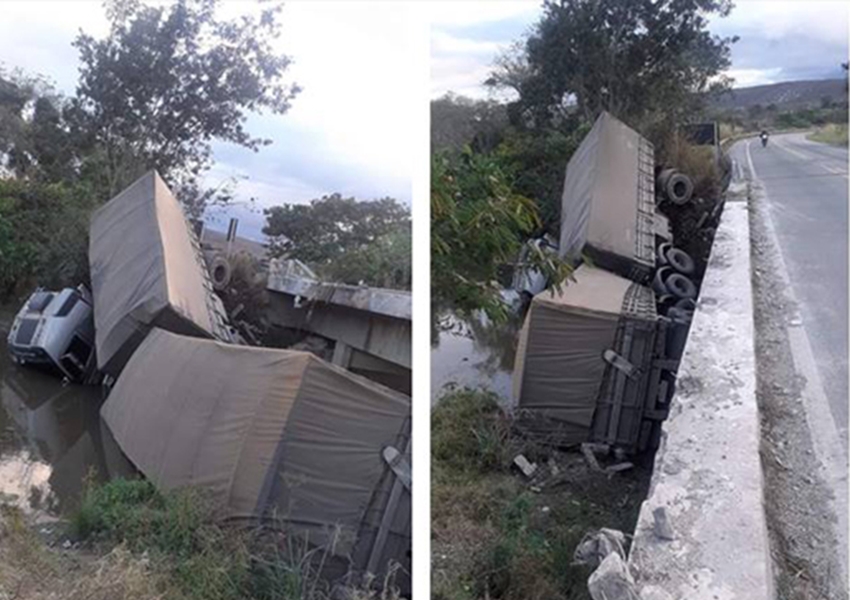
{"x": 764, "y": 141}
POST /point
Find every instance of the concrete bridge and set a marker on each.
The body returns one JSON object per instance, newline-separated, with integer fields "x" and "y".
{"x": 370, "y": 327}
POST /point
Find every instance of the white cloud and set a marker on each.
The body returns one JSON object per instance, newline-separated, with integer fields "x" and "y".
{"x": 751, "y": 77}
{"x": 445, "y": 43}
{"x": 350, "y": 126}
{"x": 477, "y": 12}
{"x": 466, "y": 38}
{"x": 823, "y": 19}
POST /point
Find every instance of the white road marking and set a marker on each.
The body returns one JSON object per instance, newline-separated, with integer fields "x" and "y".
{"x": 750, "y": 162}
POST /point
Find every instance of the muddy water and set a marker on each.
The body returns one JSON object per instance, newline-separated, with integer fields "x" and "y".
{"x": 473, "y": 353}
{"x": 51, "y": 436}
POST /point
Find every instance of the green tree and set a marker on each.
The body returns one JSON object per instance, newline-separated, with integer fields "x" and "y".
{"x": 34, "y": 142}
{"x": 386, "y": 262}
{"x": 165, "y": 82}
{"x": 633, "y": 58}
{"x": 457, "y": 121}
{"x": 345, "y": 239}
{"x": 478, "y": 225}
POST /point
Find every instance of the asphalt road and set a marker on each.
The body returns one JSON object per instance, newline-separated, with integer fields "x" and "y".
{"x": 806, "y": 188}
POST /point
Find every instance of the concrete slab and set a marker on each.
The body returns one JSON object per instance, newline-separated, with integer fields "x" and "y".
{"x": 707, "y": 472}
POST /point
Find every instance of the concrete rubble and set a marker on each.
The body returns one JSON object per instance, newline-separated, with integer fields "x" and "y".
{"x": 595, "y": 546}
{"x": 612, "y": 580}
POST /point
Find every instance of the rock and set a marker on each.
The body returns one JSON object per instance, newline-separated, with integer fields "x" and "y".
{"x": 612, "y": 581}
{"x": 528, "y": 468}
{"x": 596, "y": 545}
{"x": 662, "y": 528}
{"x": 623, "y": 466}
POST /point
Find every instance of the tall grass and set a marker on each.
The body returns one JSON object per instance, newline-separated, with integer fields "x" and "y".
{"x": 200, "y": 557}
{"x": 469, "y": 431}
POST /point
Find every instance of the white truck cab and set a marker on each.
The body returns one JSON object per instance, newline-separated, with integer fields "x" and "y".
{"x": 55, "y": 331}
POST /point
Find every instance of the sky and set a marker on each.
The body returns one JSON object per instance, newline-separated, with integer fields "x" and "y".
{"x": 347, "y": 131}
{"x": 780, "y": 41}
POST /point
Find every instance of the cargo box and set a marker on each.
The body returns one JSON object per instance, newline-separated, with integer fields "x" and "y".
{"x": 608, "y": 203}
{"x": 147, "y": 271}
{"x": 591, "y": 363}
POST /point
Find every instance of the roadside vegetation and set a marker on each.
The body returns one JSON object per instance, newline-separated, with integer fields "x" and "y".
{"x": 135, "y": 543}
{"x": 494, "y": 535}
{"x": 834, "y": 134}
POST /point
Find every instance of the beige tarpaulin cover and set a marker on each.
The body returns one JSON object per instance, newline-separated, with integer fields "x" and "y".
{"x": 146, "y": 272}
{"x": 262, "y": 430}
{"x": 559, "y": 366}
{"x": 609, "y": 193}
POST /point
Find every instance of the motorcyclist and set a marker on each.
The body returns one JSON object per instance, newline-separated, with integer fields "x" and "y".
{"x": 763, "y": 136}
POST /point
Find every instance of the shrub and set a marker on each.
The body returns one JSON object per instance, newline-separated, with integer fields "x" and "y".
{"x": 43, "y": 234}
{"x": 469, "y": 431}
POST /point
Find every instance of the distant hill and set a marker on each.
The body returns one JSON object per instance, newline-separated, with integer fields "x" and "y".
{"x": 785, "y": 95}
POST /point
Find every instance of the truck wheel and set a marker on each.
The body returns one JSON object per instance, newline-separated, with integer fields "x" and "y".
{"x": 658, "y": 284}
{"x": 676, "y": 186}
{"x": 687, "y": 304}
{"x": 681, "y": 261}
{"x": 680, "y": 188}
{"x": 665, "y": 302}
{"x": 661, "y": 253}
{"x": 680, "y": 286}
{"x": 220, "y": 271}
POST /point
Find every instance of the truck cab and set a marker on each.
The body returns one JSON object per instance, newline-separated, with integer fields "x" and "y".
{"x": 54, "y": 331}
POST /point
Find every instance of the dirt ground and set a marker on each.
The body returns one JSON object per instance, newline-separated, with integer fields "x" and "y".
{"x": 800, "y": 522}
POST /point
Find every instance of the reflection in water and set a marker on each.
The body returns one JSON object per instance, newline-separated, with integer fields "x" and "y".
{"x": 52, "y": 437}
{"x": 474, "y": 352}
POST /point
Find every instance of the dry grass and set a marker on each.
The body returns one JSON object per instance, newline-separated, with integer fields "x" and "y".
{"x": 31, "y": 570}
{"x": 833, "y": 134}
{"x": 137, "y": 544}
{"x": 697, "y": 162}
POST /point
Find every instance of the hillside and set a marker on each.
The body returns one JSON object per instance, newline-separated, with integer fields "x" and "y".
{"x": 785, "y": 95}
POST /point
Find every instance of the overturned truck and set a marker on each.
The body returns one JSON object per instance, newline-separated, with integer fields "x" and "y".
{"x": 147, "y": 271}
{"x": 272, "y": 436}
{"x": 597, "y": 359}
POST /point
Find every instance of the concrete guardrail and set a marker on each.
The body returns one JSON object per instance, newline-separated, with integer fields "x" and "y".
{"x": 707, "y": 476}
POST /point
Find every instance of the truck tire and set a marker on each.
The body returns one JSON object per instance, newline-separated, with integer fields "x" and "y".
{"x": 658, "y": 285}
{"x": 680, "y": 286}
{"x": 676, "y": 187}
{"x": 680, "y": 261}
{"x": 661, "y": 253}
{"x": 687, "y": 304}
{"x": 220, "y": 272}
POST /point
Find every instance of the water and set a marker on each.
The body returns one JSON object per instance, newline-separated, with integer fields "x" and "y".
{"x": 473, "y": 353}
{"x": 51, "y": 436}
